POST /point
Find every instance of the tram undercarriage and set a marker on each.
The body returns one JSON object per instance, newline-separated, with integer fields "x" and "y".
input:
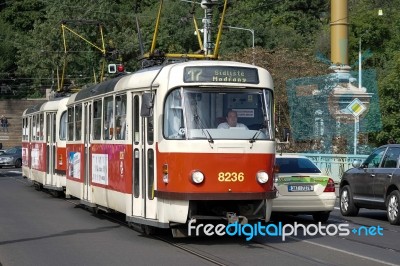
{"x": 221, "y": 212}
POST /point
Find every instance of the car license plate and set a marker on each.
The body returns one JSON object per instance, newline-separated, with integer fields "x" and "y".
{"x": 300, "y": 188}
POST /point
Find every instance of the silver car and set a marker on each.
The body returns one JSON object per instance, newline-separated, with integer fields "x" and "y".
{"x": 303, "y": 189}
{"x": 11, "y": 157}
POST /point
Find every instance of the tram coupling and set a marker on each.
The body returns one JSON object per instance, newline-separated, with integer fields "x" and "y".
{"x": 233, "y": 218}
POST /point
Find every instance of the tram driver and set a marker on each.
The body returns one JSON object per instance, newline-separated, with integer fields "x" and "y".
{"x": 231, "y": 121}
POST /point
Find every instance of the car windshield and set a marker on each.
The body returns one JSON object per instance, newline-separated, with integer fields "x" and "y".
{"x": 296, "y": 165}
{"x": 13, "y": 150}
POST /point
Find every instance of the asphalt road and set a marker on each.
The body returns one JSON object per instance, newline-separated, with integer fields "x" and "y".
{"x": 38, "y": 229}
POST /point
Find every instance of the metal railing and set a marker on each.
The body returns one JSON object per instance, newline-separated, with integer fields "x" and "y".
{"x": 334, "y": 165}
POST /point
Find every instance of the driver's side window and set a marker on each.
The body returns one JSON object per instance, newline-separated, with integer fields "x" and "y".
{"x": 375, "y": 158}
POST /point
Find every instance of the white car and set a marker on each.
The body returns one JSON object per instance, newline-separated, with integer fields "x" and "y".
{"x": 302, "y": 188}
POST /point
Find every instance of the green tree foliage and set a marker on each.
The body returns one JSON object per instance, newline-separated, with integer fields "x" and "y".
{"x": 389, "y": 92}
{"x": 7, "y": 49}
{"x": 380, "y": 35}
{"x": 23, "y": 14}
{"x": 45, "y": 52}
{"x": 288, "y": 35}
{"x": 277, "y": 24}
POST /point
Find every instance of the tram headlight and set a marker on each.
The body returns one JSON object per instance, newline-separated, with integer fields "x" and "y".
{"x": 262, "y": 177}
{"x": 197, "y": 177}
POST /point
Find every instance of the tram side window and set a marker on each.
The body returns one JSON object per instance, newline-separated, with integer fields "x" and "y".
{"x": 48, "y": 133}
{"x": 173, "y": 116}
{"x": 97, "y": 107}
{"x": 150, "y": 173}
{"x": 63, "y": 126}
{"x": 120, "y": 117}
{"x": 150, "y": 129}
{"x": 70, "y": 123}
{"x": 78, "y": 122}
{"x": 24, "y": 129}
{"x": 33, "y": 135}
{"x": 54, "y": 132}
{"x": 136, "y": 169}
{"x": 108, "y": 118}
{"x": 136, "y": 120}
{"x": 41, "y": 125}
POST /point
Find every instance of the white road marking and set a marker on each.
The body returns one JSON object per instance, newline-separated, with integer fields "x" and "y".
{"x": 344, "y": 251}
{"x": 15, "y": 172}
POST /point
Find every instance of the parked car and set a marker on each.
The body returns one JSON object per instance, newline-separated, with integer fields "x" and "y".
{"x": 373, "y": 184}
{"x": 303, "y": 189}
{"x": 11, "y": 157}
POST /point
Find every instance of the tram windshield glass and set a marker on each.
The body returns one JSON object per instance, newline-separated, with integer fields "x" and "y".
{"x": 210, "y": 113}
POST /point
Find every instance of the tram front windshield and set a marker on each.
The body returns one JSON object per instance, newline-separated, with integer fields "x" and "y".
{"x": 209, "y": 113}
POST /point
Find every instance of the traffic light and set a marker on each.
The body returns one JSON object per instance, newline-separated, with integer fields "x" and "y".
{"x": 112, "y": 68}
{"x": 116, "y": 68}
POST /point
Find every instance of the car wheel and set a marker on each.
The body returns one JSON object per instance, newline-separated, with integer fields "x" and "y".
{"x": 18, "y": 163}
{"x": 321, "y": 216}
{"x": 347, "y": 207}
{"x": 393, "y": 207}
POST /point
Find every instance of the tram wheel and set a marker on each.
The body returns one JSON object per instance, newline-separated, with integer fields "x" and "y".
{"x": 37, "y": 186}
{"x": 148, "y": 230}
{"x": 55, "y": 193}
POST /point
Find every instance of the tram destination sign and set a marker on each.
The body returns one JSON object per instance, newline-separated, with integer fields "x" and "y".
{"x": 221, "y": 74}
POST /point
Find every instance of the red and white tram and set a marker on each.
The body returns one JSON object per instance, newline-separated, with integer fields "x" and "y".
{"x": 44, "y": 144}
{"x": 148, "y": 145}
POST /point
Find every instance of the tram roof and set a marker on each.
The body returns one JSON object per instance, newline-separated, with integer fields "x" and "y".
{"x": 145, "y": 77}
{"x": 111, "y": 85}
{"x": 33, "y": 109}
{"x": 100, "y": 88}
{"x": 51, "y": 105}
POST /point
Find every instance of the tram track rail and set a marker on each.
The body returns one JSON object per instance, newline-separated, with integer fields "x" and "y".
{"x": 340, "y": 250}
{"x": 215, "y": 260}
{"x": 200, "y": 254}
{"x": 309, "y": 259}
{"x": 365, "y": 243}
{"x": 164, "y": 239}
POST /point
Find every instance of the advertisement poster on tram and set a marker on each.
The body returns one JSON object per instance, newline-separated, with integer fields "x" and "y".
{"x": 74, "y": 164}
{"x": 100, "y": 168}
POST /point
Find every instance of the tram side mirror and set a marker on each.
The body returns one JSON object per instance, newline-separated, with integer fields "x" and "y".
{"x": 147, "y": 105}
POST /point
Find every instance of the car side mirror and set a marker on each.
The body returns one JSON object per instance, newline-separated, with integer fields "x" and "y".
{"x": 357, "y": 164}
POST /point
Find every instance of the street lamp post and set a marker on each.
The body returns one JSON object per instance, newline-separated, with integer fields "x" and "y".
{"x": 252, "y": 33}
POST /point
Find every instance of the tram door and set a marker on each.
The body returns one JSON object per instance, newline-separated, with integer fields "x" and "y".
{"x": 50, "y": 148}
{"x": 87, "y": 159}
{"x": 144, "y": 203}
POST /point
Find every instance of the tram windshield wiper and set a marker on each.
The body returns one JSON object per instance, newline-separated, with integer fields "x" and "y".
{"x": 200, "y": 124}
{"x": 255, "y": 136}
{"x": 210, "y": 139}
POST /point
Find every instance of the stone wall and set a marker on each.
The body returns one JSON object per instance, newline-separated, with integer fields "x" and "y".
{"x": 13, "y": 109}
